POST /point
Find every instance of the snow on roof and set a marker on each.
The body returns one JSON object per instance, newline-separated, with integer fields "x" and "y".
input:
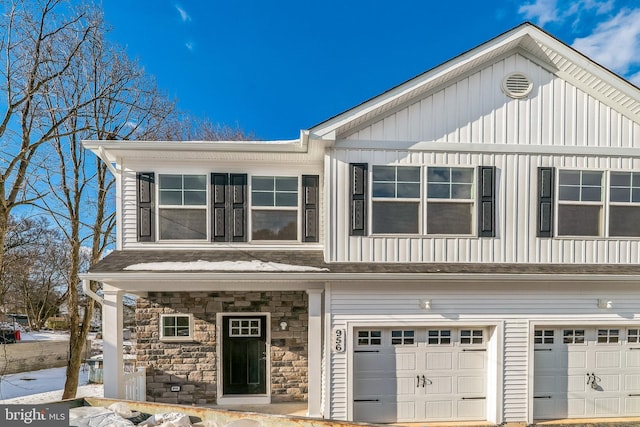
{"x": 253, "y": 265}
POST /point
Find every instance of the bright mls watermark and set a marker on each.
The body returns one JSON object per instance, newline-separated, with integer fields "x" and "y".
{"x": 52, "y": 415}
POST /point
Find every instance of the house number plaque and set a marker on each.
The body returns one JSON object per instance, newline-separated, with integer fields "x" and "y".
{"x": 339, "y": 340}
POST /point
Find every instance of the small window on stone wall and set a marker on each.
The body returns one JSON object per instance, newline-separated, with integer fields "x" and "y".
{"x": 176, "y": 327}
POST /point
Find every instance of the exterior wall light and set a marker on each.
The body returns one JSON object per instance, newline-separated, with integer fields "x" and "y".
{"x": 605, "y": 303}
{"x": 283, "y": 325}
{"x": 425, "y": 304}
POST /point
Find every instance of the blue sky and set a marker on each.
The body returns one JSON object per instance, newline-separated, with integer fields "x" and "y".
{"x": 273, "y": 67}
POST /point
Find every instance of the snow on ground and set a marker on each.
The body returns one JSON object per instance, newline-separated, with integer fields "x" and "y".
{"x": 27, "y": 385}
{"x": 44, "y": 336}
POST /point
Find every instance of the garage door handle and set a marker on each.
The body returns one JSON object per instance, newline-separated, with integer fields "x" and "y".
{"x": 366, "y": 351}
{"x": 474, "y": 349}
{"x": 542, "y": 397}
{"x": 473, "y": 398}
{"x": 366, "y": 400}
{"x": 542, "y": 349}
{"x": 634, "y": 395}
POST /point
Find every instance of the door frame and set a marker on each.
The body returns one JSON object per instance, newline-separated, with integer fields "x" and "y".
{"x": 254, "y": 399}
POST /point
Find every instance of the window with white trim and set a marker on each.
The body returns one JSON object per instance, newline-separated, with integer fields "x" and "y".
{"x": 624, "y": 204}
{"x": 573, "y": 336}
{"x": 608, "y": 336}
{"x": 471, "y": 336}
{"x": 438, "y": 336}
{"x": 274, "y": 208}
{"x": 395, "y": 194}
{"x": 370, "y": 337}
{"x": 580, "y": 203}
{"x": 450, "y": 200}
{"x": 403, "y": 337}
{"x": 544, "y": 336}
{"x": 182, "y": 207}
{"x": 245, "y": 327}
{"x": 176, "y": 327}
{"x": 633, "y": 335}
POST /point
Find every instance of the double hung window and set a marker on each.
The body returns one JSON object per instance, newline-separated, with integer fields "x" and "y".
{"x": 182, "y": 207}
{"x": 580, "y": 203}
{"x": 449, "y": 200}
{"x": 624, "y": 204}
{"x": 396, "y": 199}
{"x": 274, "y": 204}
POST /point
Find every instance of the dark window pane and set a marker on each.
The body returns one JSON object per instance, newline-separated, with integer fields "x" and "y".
{"x": 384, "y": 173}
{"x": 591, "y": 178}
{"x": 449, "y": 218}
{"x": 591, "y": 194}
{"x": 274, "y": 225}
{"x": 620, "y": 179}
{"x": 170, "y": 197}
{"x": 461, "y": 191}
{"x": 182, "y": 321}
{"x": 183, "y": 224}
{"x": 438, "y": 191}
{"x": 286, "y": 183}
{"x": 438, "y": 175}
{"x": 579, "y": 220}
{"x": 635, "y": 178}
{"x": 408, "y": 174}
{"x": 635, "y": 195}
{"x": 286, "y": 199}
{"x": 195, "y": 198}
{"x": 168, "y": 321}
{"x": 408, "y": 190}
{"x": 570, "y": 193}
{"x": 195, "y": 182}
{"x": 262, "y": 199}
{"x": 262, "y": 183}
{"x": 384, "y": 190}
{"x": 171, "y": 182}
{"x": 624, "y": 221}
{"x": 462, "y": 175}
{"x": 395, "y": 217}
{"x": 620, "y": 195}
{"x": 569, "y": 177}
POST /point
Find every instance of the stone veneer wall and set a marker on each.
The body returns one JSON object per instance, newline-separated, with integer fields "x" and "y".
{"x": 192, "y": 365}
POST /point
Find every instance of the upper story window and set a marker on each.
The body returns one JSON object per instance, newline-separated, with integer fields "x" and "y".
{"x": 588, "y": 203}
{"x": 396, "y": 199}
{"x": 274, "y": 208}
{"x": 580, "y": 203}
{"x": 227, "y": 207}
{"x": 182, "y": 207}
{"x": 449, "y": 200}
{"x": 624, "y": 206}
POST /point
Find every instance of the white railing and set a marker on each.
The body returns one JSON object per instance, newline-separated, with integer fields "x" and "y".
{"x": 135, "y": 385}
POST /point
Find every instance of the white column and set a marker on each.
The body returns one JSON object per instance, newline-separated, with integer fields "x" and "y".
{"x": 112, "y": 324}
{"x": 314, "y": 358}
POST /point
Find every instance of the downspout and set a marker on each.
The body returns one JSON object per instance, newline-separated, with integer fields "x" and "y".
{"x": 86, "y": 287}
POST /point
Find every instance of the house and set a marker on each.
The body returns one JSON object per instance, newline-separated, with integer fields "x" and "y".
{"x": 464, "y": 246}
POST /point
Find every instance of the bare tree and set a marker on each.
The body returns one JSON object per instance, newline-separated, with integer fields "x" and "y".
{"x": 185, "y": 127}
{"x": 40, "y": 41}
{"x": 119, "y": 102}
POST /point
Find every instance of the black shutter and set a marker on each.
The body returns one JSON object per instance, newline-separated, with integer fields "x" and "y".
{"x": 310, "y": 184}
{"x": 238, "y": 206}
{"x": 146, "y": 227}
{"x": 219, "y": 197}
{"x": 545, "y": 201}
{"x": 229, "y": 205}
{"x": 358, "y": 208}
{"x": 487, "y": 201}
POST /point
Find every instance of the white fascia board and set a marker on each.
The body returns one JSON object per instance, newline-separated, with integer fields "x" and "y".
{"x": 327, "y": 129}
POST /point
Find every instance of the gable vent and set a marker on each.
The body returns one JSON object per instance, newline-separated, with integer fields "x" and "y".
{"x": 517, "y": 85}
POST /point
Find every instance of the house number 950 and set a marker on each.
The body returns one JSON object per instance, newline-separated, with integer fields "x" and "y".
{"x": 339, "y": 337}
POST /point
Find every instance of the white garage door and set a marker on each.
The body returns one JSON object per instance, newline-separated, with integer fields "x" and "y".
{"x": 586, "y": 372}
{"x": 413, "y": 374}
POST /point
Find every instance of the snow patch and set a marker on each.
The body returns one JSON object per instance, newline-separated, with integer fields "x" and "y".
{"x": 253, "y": 265}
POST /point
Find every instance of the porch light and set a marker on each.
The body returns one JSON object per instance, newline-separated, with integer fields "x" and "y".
{"x": 283, "y": 325}
{"x": 605, "y": 303}
{"x": 425, "y": 304}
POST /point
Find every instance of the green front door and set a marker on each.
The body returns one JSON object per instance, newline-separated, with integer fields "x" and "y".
{"x": 244, "y": 354}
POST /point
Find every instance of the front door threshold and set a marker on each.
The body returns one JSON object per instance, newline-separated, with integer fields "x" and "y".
{"x": 244, "y": 399}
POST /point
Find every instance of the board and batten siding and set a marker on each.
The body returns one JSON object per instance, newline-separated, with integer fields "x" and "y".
{"x": 513, "y": 306}
{"x": 516, "y": 213}
{"x": 475, "y": 110}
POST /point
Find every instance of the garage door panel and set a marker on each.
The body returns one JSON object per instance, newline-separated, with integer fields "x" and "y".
{"x": 576, "y": 383}
{"x": 470, "y": 407}
{"x": 439, "y": 410}
{"x": 576, "y": 359}
{"x": 607, "y": 407}
{"x": 632, "y": 405}
{"x": 607, "y": 359}
{"x": 439, "y": 361}
{"x": 372, "y": 387}
{"x": 471, "y": 385}
{"x": 471, "y": 360}
{"x": 549, "y": 384}
{"x": 439, "y": 385}
{"x": 576, "y": 408}
{"x": 550, "y": 359}
{"x": 373, "y": 362}
{"x": 381, "y": 412}
{"x": 632, "y": 383}
{"x": 406, "y": 362}
{"x": 609, "y": 382}
{"x": 633, "y": 358}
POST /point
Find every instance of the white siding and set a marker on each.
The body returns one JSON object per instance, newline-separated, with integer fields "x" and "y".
{"x": 515, "y": 305}
{"x": 475, "y": 110}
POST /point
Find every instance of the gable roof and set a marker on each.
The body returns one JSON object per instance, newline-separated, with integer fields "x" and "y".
{"x": 537, "y": 44}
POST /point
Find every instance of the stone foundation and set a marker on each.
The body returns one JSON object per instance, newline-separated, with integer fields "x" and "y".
{"x": 192, "y": 365}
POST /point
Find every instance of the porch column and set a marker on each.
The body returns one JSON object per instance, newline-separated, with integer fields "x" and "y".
{"x": 314, "y": 358}
{"x": 112, "y": 324}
